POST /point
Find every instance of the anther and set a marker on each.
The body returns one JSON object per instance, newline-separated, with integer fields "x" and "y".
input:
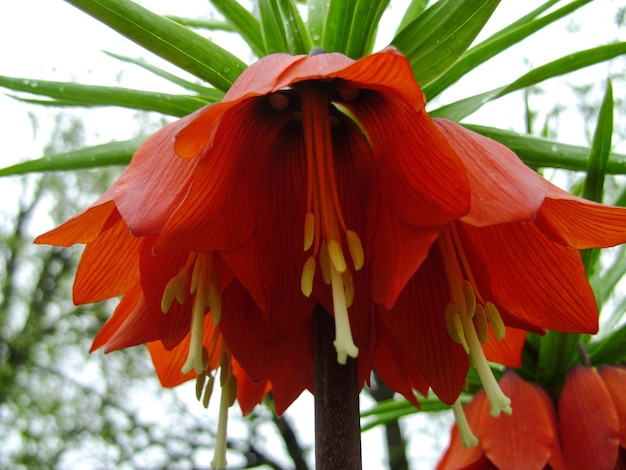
{"x": 309, "y": 230}
{"x": 355, "y": 248}
{"x": 335, "y": 254}
{"x": 349, "y": 94}
{"x": 480, "y": 321}
{"x": 278, "y": 101}
{"x": 308, "y": 273}
{"x": 493, "y": 315}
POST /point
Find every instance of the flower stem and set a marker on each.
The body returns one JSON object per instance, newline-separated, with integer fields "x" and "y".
{"x": 337, "y": 421}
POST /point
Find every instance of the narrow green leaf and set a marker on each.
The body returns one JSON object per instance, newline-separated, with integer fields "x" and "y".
{"x": 495, "y": 45}
{"x": 593, "y": 188}
{"x": 113, "y": 153}
{"x": 437, "y": 38}
{"x": 272, "y": 29}
{"x": 316, "y": 20}
{"x": 609, "y": 350}
{"x": 298, "y": 39}
{"x": 415, "y": 9}
{"x": 166, "y": 38}
{"x": 570, "y": 63}
{"x": 364, "y": 27}
{"x": 211, "y": 25}
{"x": 89, "y": 95}
{"x": 540, "y": 152}
{"x": 337, "y": 25}
{"x": 210, "y": 94}
{"x": 244, "y": 23}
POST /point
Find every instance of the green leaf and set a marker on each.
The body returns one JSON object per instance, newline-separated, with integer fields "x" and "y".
{"x": 437, "y": 38}
{"x": 463, "y": 108}
{"x": 337, "y": 25}
{"x": 211, "y": 94}
{"x": 89, "y": 95}
{"x": 298, "y": 39}
{"x": 415, "y": 9}
{"x": 539, "y": 152}
{"x": 274, "y": 36}
{"x": 593, "y": 188}
{"x": 609, "y": 350}
{"x": 113, "y": 153}
{"x": 364, "y": 26}
{"x": 316, "y": 20}
{"x": 496, "y": 44}
{"x": 166, "y": 38}
{"x": 244, "y": 23}
{"x": 211, "y": 25}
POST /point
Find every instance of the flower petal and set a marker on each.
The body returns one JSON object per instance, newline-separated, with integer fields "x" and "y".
{"x": 130, "y": 325}
{"x": 525, "y": 439}
{"x": 503, "y": 188}
{"x": 535, "y": 282}
{"x": 589, "y": 425}
{"x": 109, "y": 266}
{"x": 417, "y": 323}
{"x": 579, "y": 223}
{"x": 506, "y": 351}
{"x": 614, "y": 378}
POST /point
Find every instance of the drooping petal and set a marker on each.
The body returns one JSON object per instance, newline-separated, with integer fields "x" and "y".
{"x": 109, "y": 265}
{"x": 168, "y": 362}
{"x": 589, "y": 425}
{"x": 84, "y": 227}
{"x": 417, "y": 323}
{"x": 506, "y": 351}
{"x": 525, "y": 439}
{"x": 503, "y": 188}
{"x": 534, "y": 282}
{"x": 614, "y": 378}
{"x": 130, "y": 325}
{"x": 579, "y": 223}
{"x": 218, "y": 212}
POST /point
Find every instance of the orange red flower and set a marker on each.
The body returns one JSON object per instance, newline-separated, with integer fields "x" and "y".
{"x": 587, "y": 430}
{"x": 322, "y": 180}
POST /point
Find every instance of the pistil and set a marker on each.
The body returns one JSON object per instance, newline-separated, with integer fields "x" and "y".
{"x": 324, "y": 226}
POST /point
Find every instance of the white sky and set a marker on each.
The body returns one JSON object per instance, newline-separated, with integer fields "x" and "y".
{"x": 49, "y": 39}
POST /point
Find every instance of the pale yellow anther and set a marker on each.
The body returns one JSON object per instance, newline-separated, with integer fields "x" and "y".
{"x": 493, "y": 315}
{"x": 169, "y": 294}
{"x": 468, "y": 439}
{"x": 455, "y": 326}
{"x": 470, "y": 298}
{"x": 194, "y": 358}
{"x": 309, "y": 230}
{"x": 215, "y": 303}
{"x": 335, "y": 253}
{"x": 348, "y": 284}
{"x": 208, "y": 391}
{"x": 356, "y": 249}
{"x": 308, "y": 274}
{"x": 480, "y": 321}
{"x": 325, "y": 263}
{"x": 198, "y": 270}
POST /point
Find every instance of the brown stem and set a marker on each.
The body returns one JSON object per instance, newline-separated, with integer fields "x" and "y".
{"x": 337, "y": 421}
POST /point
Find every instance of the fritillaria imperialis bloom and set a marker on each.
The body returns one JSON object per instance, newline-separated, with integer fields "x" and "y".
{"x": 321, "y": 180}
{"x": 586, "y": 430}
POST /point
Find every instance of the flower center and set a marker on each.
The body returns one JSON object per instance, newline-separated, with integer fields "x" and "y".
{"x": 325, "y": 230}
{"x": 198, "y": 278}
{"x": 468, "y": 317}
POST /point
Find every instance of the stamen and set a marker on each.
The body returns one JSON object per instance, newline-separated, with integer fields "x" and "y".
{"x": 344, "y": 344}
{"x": 215, "y": 303}
{"x": 493, "y": 315}
{"x": 356, "y": 249}
{"x": 348, "y": 284}
{"x": 229, "y": 392}
{"x": 309, "y": 230}
{"x": 480, "y": 321}
{"x": 468, "y": 439}
{"x": 308, "y": 273}
{"x": 325, "y": 263}
{"x": 336, "y": 256}
{"x": 454, "y": 326}
{"x": 200, "y": 285}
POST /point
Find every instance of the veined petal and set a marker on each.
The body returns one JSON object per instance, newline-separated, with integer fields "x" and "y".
{"x": 218, "y": 212}
{"x": 589, "y": 425}
{"x": 614, "y": 378}
{"x": 525, "y": 439}
{"x": 82, "y": 228}
{"x": 535, "y": 282}
{"x": 419, "y": 174}
{"x": 503, "y": 188}
{"x": 580, "y": 223}
{"x": 418, "y": 325}
{"x": 508, "y": 350}
{"x": 130, "y": 325}
{"x": 109, "y": 265}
